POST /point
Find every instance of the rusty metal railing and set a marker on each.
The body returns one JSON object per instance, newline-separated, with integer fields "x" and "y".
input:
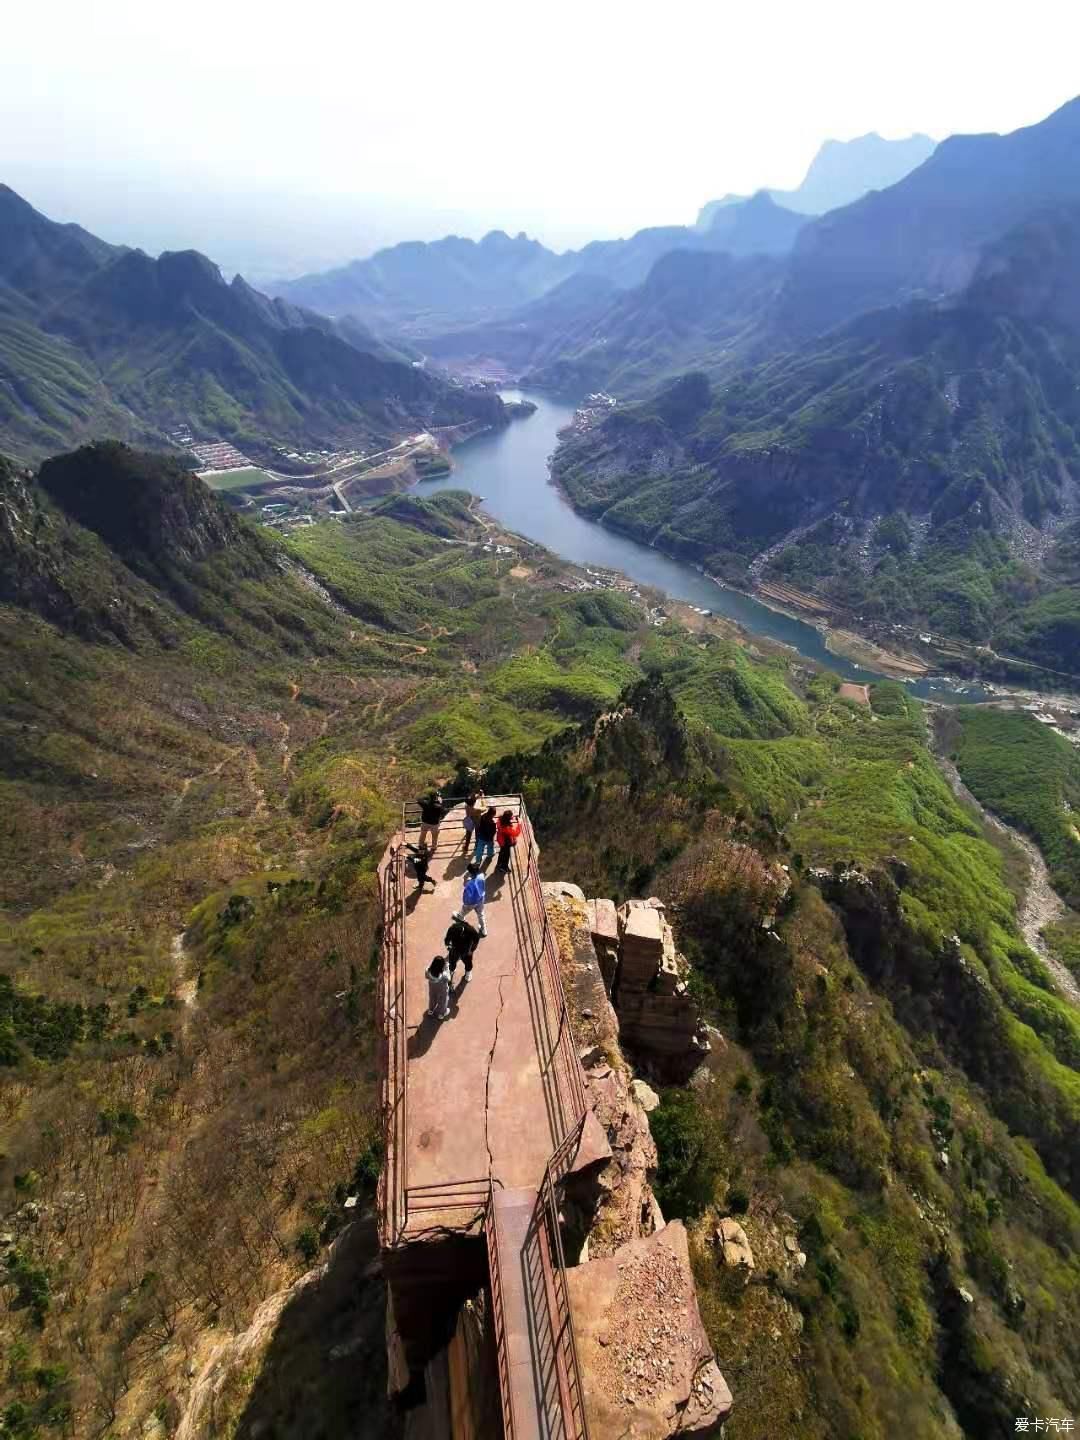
{"x": 449, "y": 1195}
{"x": 560, "y": 1063}
{"x": 455, "y": 808}
{"x": 498, "y": 1314}
{"x": 395, "y": 1051}
{"x": 557, "y": 1369}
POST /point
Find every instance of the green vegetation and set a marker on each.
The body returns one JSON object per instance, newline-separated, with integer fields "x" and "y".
{"x": 225, "y": 480}
{"x": 1064, "y": 941}
{"x": 888, "y": 1044}
{"x": 203, "y": 757}
{"x": 904, "y": 449}
{"x": 1030, "y": 776}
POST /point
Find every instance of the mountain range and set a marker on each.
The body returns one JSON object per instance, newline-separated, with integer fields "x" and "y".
{"x": 101, "y": 340}
{"x": 925, "y": 234}
{"x": 840, "y": 172}
{"x": 429, "y": 291}
{"x": 208, "y": 729}
{"x": 424, "y": 290}
{"x": 920, "y": 464}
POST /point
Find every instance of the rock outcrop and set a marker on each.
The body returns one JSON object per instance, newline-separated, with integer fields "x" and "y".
{"x": 604, "y": 925}
{"x": 734, "y": 1246}
{"x": 659, "y": 1019}
{"x": 615, "y": 1203}
{"x": 648, "y": 1371}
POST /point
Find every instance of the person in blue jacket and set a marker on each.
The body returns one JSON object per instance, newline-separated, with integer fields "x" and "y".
{"x": 474, "y": 895}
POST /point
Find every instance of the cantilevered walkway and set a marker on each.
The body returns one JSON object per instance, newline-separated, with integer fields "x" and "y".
{"x": 486, "y": 1111}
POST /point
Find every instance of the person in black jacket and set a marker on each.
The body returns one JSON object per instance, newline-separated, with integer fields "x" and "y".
{"x": 420, "y": 859}
{"x": 432, "y": 814}
{"x": 460, "y": 942}
{"x": 486, "y": 825}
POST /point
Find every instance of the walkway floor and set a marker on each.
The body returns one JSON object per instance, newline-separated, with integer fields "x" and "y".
{"x": 477, "y": 1100}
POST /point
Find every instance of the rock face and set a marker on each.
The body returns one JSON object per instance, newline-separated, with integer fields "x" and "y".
{"x": 658, "y": 1017}
{"x": 615, "y": 1202}
{"x": 646, "y": 1096}
{"x": 638, "y": 1328}
{"x": 648, "y": 1372}
{"x": 604, "y": 925}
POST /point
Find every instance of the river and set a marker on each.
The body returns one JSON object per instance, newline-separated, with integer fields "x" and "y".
{"x": 508, "y": 470}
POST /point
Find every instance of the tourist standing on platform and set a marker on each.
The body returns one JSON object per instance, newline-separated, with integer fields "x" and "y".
{"x": 438, "y": 989}
{"x": 473, "y": 811}
{"x": 432, "y": 814}
{"x": 474, "y": 895}
{"x": 461, "y": 941}
{"x": 506, "y": 833}
{"x": 486, "y": 825}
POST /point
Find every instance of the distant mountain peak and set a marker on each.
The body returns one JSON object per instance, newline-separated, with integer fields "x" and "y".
{"x": 840, "y": 172}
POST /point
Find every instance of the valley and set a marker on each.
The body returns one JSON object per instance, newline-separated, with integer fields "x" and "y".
{"x": 725, "y": 578}
{"x": 282, "y": 695}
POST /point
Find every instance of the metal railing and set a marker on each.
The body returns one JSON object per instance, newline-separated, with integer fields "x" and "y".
{"x": 498, "y": 1314}
{"x": 455, "y": 808}
{"x": 558, "y": 1371}
{"x": 395, "y": 1050}
{"x": 560, "y": 1062}
{"x": 471, "y": 1195}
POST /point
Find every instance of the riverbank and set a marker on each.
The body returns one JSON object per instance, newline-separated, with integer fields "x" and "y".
{"x": 510, "y": 469}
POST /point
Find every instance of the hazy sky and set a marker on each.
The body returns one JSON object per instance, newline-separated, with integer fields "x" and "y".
{"x": 278, "y": 135}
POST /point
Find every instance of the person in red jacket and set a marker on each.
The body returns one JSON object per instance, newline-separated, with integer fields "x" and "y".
{"x": 507, "y": 832}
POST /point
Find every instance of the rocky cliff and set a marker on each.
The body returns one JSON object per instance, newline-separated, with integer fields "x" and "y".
{"x": 648, "y": 1369}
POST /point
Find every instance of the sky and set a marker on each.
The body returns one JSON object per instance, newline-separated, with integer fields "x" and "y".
{"x": 284, "y": 136}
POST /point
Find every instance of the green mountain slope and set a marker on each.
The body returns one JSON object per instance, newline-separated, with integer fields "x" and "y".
{"x": 204, "y": 732}
{"x": 890, "y": 1052}
{"x": 915, "y": 467}
{"x": 695, "y": 309}
{"x": 96, "y": 341}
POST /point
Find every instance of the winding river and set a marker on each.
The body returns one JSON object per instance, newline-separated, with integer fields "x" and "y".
{"x": 508, "y": 470}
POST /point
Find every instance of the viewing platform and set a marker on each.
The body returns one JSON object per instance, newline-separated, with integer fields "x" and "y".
{"x": 485, "y": 1115}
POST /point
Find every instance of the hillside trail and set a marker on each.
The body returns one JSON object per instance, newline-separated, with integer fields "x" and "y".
{"x": 1040, "y": 905}
{"x": 187, "y": 987}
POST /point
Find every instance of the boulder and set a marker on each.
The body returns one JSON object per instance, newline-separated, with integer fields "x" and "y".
{"x": 565, "y": 889}
{"x": 647, "y": 1369}
{"x": 641, "y": 945}
{"x": 734, "y": 1246}
{"x": 604, "y": 926}
{"x": 646, "y": 1096}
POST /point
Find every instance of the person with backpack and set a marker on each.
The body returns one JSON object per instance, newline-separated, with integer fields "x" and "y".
{"x": 473, "y": 806}
{"x": 420, "y": 859}
{"x": 461, "y": 941}
{"x": 432, "y": 814}
{"x": 507, "y": 832}
{"x": 474, "y": 895}
{"x": 486, "y": 826}
{"x": 438, "y": 988}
